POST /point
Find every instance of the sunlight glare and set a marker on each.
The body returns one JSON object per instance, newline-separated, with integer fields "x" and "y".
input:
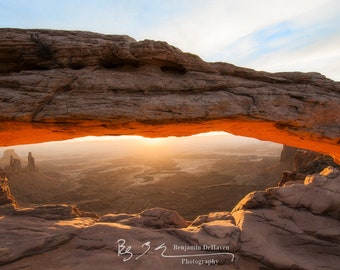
{"x": 151, "y": 141}
{"x": 136, "y": 138}
{"x": 124, "y": 145}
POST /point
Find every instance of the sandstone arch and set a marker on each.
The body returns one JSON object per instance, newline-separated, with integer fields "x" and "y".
{"x": 94, "y": 84}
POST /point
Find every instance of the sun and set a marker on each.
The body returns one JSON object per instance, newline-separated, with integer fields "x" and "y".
{"x": 152, "y": 141}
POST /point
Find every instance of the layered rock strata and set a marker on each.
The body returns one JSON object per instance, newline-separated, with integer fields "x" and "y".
{"x": 62, "y": 84}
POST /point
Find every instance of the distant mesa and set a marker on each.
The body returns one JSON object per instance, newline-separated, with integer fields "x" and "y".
{"x": 13, "y": 163}
{"x": 31, "y": 163}
{"x": 7, "y": 155}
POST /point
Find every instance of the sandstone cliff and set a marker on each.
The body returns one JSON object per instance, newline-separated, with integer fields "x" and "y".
{"x": 63, "y": 84}
{"x": 7, "y": 201}
{"x": 301, "y": 162}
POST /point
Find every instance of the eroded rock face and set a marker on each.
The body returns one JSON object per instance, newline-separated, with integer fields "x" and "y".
{"x": 62, "y": 84}
{"x": 302, "y": 163}
{"x": 293, "y": 226}
{"x": 7, "y": 201}
{"x": 309, "y": 162}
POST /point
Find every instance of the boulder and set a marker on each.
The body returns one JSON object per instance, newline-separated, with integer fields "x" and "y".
{"x": 293, "y": 227}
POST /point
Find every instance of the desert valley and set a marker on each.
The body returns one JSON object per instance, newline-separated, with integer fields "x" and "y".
{"x": 192, "y": 175}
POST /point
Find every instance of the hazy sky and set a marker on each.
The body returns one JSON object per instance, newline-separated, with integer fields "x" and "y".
{"x": 272, "y": 35}
{"x": 211, "y": 142}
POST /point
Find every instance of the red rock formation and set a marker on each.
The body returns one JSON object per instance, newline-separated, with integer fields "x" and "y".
{"x": 57, "y": 84}
{"x": 7, "y": 155}
{"x": 303, "y": 163}
{"x": 296, "y": 226}
{"x": 288, "y": 154}
{"x": 31, "y": 163}
{"x": 14, "y": 165}
{"x": 7, "y": 201}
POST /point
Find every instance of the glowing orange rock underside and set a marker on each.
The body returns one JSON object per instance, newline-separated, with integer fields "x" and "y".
{"x": 14, "y": 133}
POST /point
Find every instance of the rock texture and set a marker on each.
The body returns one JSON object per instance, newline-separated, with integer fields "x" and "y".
{"x": 29, "y": 236}
{"x": 309, "y": 162}
{"x": 292, "y": 227}
{"x": 62, "y": 84}
{"x": 7, "y": 201}
{"x": 302, "y": 163}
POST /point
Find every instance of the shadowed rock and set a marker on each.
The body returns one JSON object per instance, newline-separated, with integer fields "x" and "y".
{"x": 302, "y": 163}
{"x": 7, "y": 201}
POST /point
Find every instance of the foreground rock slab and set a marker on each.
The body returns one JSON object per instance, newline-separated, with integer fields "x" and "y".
{"x": 25, "y": 237}
{"x": 291, "y": 227}
{"x": 62, "y": 84}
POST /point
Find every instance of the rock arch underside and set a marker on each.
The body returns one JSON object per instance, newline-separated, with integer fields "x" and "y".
{"x": 57, "y": 85}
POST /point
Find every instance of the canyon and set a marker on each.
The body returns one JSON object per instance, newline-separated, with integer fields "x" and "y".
{"x": 292, "y": 226}
{"x": 56, "y": 85}
{"x": 192, "y": 181}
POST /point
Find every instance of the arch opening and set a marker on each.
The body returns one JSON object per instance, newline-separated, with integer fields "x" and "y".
{"x": 193, "y": 175}
{"x": 15, "y": 133}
